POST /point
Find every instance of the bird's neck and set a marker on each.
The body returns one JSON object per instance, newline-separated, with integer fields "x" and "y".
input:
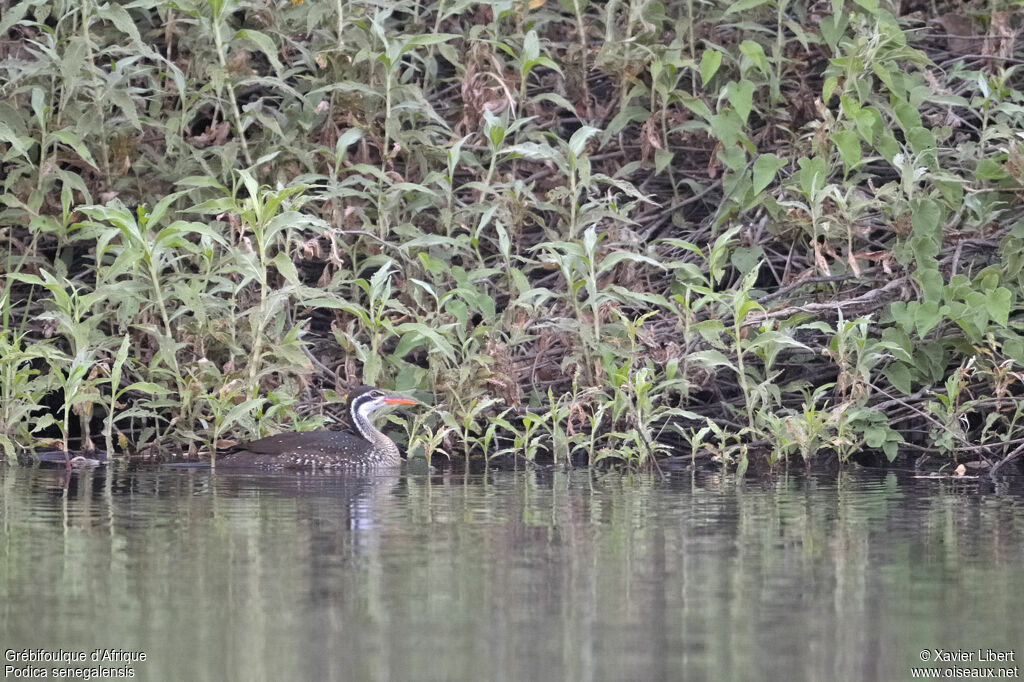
{"x": 383, "y": 447}
{"x": 365, "y": 428}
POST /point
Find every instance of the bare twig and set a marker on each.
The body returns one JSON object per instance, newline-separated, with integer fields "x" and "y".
{"x": 999, "y": 465}
{"x": 874, "y": 298}
{"x": 782, "y": 291}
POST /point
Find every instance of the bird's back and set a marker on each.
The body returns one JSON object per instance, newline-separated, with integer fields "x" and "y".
{"x": 320, "y": 449}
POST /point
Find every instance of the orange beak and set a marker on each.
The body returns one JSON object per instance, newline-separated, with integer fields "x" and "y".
{"x": 399, "y": 401}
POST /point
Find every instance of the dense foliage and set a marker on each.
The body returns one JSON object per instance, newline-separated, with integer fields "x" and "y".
{"x": 588, "y": 230}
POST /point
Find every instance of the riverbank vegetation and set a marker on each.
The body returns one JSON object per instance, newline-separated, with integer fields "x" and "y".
{"x": 761, "y": 231}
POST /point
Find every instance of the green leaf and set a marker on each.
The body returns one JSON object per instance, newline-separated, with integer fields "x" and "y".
{"x": 746, "y": 258}
{"x": 726, "y": 127}
{"x": 904, "y": 313}
{"x": 925, "y": 250}
{"x": 371, "y": 368}
{"x": 891, "y": 449}
{"x": 19, "y": 143}
{"x": 892, "y": 79}
{"x": 531, "y": 48}
{"x": 694, "y": 104}
{"x": 70, "y": 139}
{"x": 215, "y": 206}
{"x": 662, "y": 159}
{"x": 119, "y": 360}
{"x": 533, "y": 150}
{"x": 998, "y": 305}
{"x": 848, "y": 144}
{"x": 927, "y": 317}
{"x": 119, "y": 17}
{"x": 755, "y": 53}
{"x": 829, "y": 88}
{"x": 13, "y": 15}
{"x": 616, "y": 257}
{"x": 897, "y": 341}
{"x": 285, "y": 266}
{"x": 833, "y": 27}
{"x": 26, "y": 278}
{"x": 408, "y": 343}
{"x": 264, "y": 43}
{"x": 887, "y": 145}
{"x": 812, "y": 176}
{"x": 578, "y": 141}
{"x": 626, "y": 116}
{"x": 921, "y": 140}
{"x": 926, "y": 217}
{"x": 346, "y": 140}
{"x": 439, "y": 342}
{"x": 741, "y": 5}
{"x": 908, "y": 116}
{"x": 711, "y": 358}
{"x": 1013, "y": 347}
{"x": 869, "y": 123}
{"x": 899, "y": 376}
{"x": 930, "y": 360}
{"x": 931, "y": 282}
{"x": 39, "y": 107}
{"x": 741, "y": 96}
{"x": 145, "y": 387}
{"x": 709, "y": 63}
{"x": 766, "y": 166}
{"x": 976, "y": 311}
{"x": 158, "y": 212}
{"x": 990, "y": 169}
{"x": 424, "y": 39}
{"x": 874, "y": 436}
{"x": 200, "y": 181}
{"x": 741, "y": 467}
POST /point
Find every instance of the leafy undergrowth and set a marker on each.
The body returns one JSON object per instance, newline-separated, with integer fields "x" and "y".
{"x": 581, "y": 232}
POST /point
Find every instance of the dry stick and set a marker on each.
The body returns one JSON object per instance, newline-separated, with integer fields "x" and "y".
{"x": 964, "y": 448}
{"x": 902, "y": 401}
{"x": 768, "y": 262}
{"x": 956, "y": 259}
{"x": 1010, "y": 60}
{"x": 324, "y": 368}
{"x": 987, "y": 446}
{"x": 866, "y": 298}
{"x": 998, "y": 465}
{"x": 665, "y": 213}
{"x": 782, "y": 291}
{"x": 790, "y": 261}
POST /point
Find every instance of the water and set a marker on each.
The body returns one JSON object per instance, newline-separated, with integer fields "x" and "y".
{"x": 517, "y": 576}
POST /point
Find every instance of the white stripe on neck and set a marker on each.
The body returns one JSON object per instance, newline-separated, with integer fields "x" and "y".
{"x": 363, "y": 408}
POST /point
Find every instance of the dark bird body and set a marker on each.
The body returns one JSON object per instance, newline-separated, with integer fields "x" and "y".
{"x": 365, "y": 447}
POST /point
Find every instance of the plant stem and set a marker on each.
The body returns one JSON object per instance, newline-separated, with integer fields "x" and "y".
{"x": 222, "y": 57}
{"x": 737, "y": 328}
{"x": 581, "y": 29}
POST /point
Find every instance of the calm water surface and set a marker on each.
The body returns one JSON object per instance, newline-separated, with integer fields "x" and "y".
{"x": 518, "y": 576}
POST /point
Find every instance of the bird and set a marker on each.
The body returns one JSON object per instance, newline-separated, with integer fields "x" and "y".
{"x": 362, "y": 449}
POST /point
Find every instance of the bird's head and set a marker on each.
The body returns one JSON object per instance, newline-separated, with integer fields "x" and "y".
{"x": 365, "y": 400}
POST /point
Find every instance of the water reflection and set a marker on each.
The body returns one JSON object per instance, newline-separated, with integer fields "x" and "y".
{"x": 508, "y": 576}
